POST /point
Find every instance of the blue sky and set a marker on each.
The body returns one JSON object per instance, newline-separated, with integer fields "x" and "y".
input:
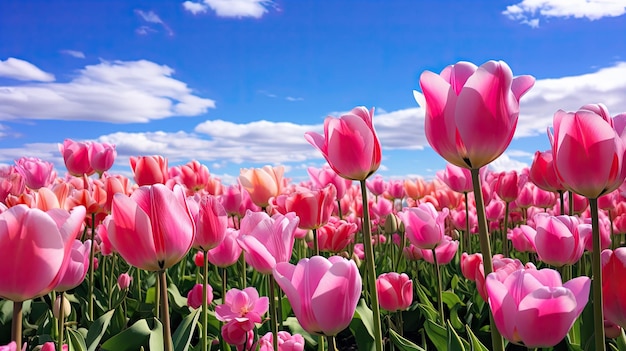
{"x": 236, "y": 83}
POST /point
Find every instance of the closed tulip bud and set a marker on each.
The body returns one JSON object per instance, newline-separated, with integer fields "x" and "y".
{"x": 149, "y": 170}
{"x": 194, "y": 297}
{"x": 391, "y": 224}
{"x": 56, "y": 309}
{"x": 198, "y": 259}
{"x": 395, "y": 291}
{"x": 124, "y": 280}
{"x": 76, "y": 157}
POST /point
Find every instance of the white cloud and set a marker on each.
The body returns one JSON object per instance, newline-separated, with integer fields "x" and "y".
{"x": 506, "y": 163}
{"x": 117, "y": 92}
{"x": 73, "y": 53}
{"x": 23, "y": 70}
{"x": 537, "y": 107}
{"x": 529, "y": 11}
{"x": 151, "y": 17}
{"x": 291, "y": 98}
{"x": 230, "y": 8}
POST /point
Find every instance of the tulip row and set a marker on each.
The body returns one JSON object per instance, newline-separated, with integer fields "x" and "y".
{"x": 267, "y": 264}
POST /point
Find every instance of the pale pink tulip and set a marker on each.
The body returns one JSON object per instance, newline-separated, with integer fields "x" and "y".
{"x": 227, "y": 252}
{"x": 558, "y": 240}
{"x": 242, "y": 305}
{"x": 36, "y": 172}
{"x": 457, "y": 178}
{"x": 211, "y": 221}
{"x": 424, "y": 226}
{"x": 77, "y": 268}
{"x": 322, "y": 292}
{"x": 76, "y": 157}
{"x": 102, "y": 156}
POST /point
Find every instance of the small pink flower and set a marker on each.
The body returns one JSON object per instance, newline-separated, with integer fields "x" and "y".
{"x": 36, "y": 172}
{"x": 286, "y": 342}
{"x": 395, "y": 291}
{"x": 242, "y": 305}
{"x": 194, "y": 297}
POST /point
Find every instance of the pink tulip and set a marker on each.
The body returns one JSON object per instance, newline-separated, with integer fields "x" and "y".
{"x": 523, "y": 238}
{"x": 445, "y": 251}
{"x": 76, "y": 157}
{"x": 376, "y": 185}
{"x": 149, "y": 170}
{"x": 558, "y": 240}
{"x": 36, "y": 172}
{"x": 211, "y": 221}
{"x": 395, "y": 291}
{"x": 102, "y": 156}
{"x": 506, "y": 186}
{"x": 240, "y": 334}
{"x": 12, "y": 346}
{"x": 457, "y": 178}
{"x": 323, "y": 292}
{"x": 534, "y": 307}
{"x": 313, "y": 207}
{"x": 501, "y": 265}
{"x": 588, "y": 151}
{"x": 543, "y": 174}
{"x": 242, "y": 305}
{"x": 77, "y": 268}
{"x": 152, "y": 229}
{"x": 349, "y": 144}
{"x": 286, "y": 342}
{"x": 324, "y": 176}
{"x": 543, "y": 198}
{"x": 613, "y": 291}
{"x": 231, "y": 199}
{"x": 227, "y": 252}
{"x": 124, "y": 280}
{"x": 472, "y": 112}
{"x": 194, "y": 297}
{"x": 335, "y": 235}
{"x": 470, "y": 264}
{"x": 424, "y": 226}
{"x": 267, "y": 240}
{"x": 395, "y": 190}
{"x": 194, "y": 175}
{"x": 39, "y": 244}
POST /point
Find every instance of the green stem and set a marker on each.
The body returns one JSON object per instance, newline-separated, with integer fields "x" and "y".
{"x": 242, "y": 262}
{"x": 157, "y": 298}
{"x": 205, "y": 307}
{"x": 16, "y": 323}
{"x": 91, "y": 267}
{"x": 340, "y": 215}
{"x": 320, "y": 343}
{"x": 439, "y": 289}
{"x": 485, "y": 248}
{"x": 332, "y": 346}
{"x": 466, "y": 238}
{"x": 561, "y": 202}
{"x": 138, "y": 284}
{"x": 165, "y": 313}
{"x": 224, "y": 282}
{"x": 371, "y": 269}
{"x": 596, "y": 266}
{"x": 570, "y": 198}
{"x": 273, "y": 317}
{"x": 316, "y": 247}
{"x": 505, "y": 239}
{"x": 61, "y": 321}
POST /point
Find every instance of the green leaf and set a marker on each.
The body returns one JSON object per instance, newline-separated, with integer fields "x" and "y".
{"x": 97, "y": 330}
{"x": 131, "y": 339}
{"x": 156, "y": 337}
{"x": 475, "y": 344}
{"x": 76, "y": 341}
{"x": 176, "y": 299}
{"x": 183, "y": 334}
{"x": 362, "y": 326}
{"x": 422, "y": 297}
{"x": 402, "y": 343}
{"x": 454, "y": 341}
{"x": 437, "y": 334}
{"x": 451, "y": 299}
{"x": 428, "y": 311}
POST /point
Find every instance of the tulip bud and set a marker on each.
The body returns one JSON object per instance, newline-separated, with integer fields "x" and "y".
{"x": 391, "y": 224}
{"x": 67, "y": 308}
{"x": 123, "y": 281}
{"x": 198, "y": 259}
{"x": 194, "y": 297}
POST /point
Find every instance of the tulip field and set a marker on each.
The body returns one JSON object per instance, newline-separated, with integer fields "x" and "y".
{"x": 172, "y": 259}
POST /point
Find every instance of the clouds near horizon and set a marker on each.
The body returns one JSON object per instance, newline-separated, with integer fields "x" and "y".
{"x": 230, "y": 8}
{"x": 531, "y": 11}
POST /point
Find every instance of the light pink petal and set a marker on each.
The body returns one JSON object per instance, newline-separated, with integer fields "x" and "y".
{"x": 257, "y": 255}
{"x": 580, "y": 287}
{"x": 503, "y": 307}
{"x": 521, "y": 85}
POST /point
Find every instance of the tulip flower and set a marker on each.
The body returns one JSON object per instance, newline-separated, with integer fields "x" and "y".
{"x": 395, "y": 291}
{"x": 614, "y": 294}
{"x": 267, "y": 240}
{"x": 153, "y": 228}
{"x": 194, "y": 175}
{"x": 543, "y": 174}
{"x": 457, "y": 178}
{"x": 376, "y": 185}
{"x": 349, "y": 144}
{"x": 242, "y": 305}
{"x": 149, "y": 170}
{"x": 36, "y": 172}
{"x": 240, "y": 334}
{"x": 558, "y": 240}
{"x": 324, "y": 176}
{"x": 523, "y": 238}
{"x": 424, "y": 226}
{"x": 211, "y": 221}
{"x": 262, "y": 183}
{"x": 124, "y": 280}
{"x": 102, "y": 156}
{"x": 313, "y": 207}
{"x": 470, "y": 264}
{"x": 286, "y": 342}
{"x": 194, "y": 297}
{"x": 472, "y": 112}
{"x": 445, "y": 251}
{"x": 336, "y": 235}
{"x": 323, "y": 292}
{"x": 76, "y": 157}
{"x": 77, "y": 268}
{"x": 534, "y": 306}
{"x": 227, "y": 252}
{"x": 39, "y": 244}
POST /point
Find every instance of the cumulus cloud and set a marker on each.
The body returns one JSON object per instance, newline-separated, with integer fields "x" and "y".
{"x": 230, "y": 8}
{"x": 606, "y": 85}
{"x": 74, "y": 53}
{"x": 506, "y": 163}
{"x": 530, "y": 11}
{"x": 117, "y": 92}
{"x": 23, "y": 70}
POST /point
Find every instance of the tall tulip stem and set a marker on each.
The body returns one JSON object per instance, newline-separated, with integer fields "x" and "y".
{"x": 505, "y": 239}
{"x": 466, "y": 238}
{"x": 205, "y": 305}
{"x": 273, "y": 314}
{"x": 61, "y": 297}
{"x": 316, "y": 245}
{"x": 371, "y": 268}
{"x": 165, "y": 313}
{"x": 91, "y": 267}
{"x": 485, "y": 248}
{"x": 439, "y": 289}
{"x": 332, "y": 345}
{"x": 598, "y": 317}
{"x": 16, "y": 323}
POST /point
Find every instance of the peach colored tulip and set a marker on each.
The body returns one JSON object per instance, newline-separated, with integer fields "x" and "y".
{"x": 323, "y": 292}
{"x": 149, "y": 170}
{"x": 349, "y": 144}
{"x": 588, "y": 151}
{"x": 39, "y": 244}
{"x": 152, "y": 229}
{"x": 472, "y": 112}
{"x": 262, "y": 183}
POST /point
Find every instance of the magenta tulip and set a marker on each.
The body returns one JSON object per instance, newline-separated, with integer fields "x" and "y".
{"x": 211, "y": 221}
{"x": 614, "y": 285}
{"x": 534, "y": 307}
{"x": 424, "y": 226}
{"x": 349, "y": 144}
{"x": 194, "y": 296}
{"x": 395, "y": 291}
{"x": 76, "y": 157}
{"x": 153, "y": 228}
{"x": 323, "y": 292}
{"x": 472, "y": 112}
{"x": 558, "y": 240}
{"x": 36, "y": 249}
{"x": 543, "y": 174}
